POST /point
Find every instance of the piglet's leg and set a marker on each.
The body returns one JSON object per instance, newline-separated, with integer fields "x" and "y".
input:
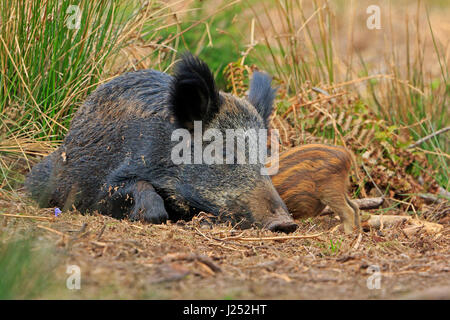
{"x": 148, "y": 205}
{"x": 346, "y": 213}
{"x": 355, "y": 212}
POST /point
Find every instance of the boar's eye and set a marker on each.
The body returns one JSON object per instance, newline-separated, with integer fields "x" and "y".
{"x": 193, "y": 94}
{"x": 261, "y": 95}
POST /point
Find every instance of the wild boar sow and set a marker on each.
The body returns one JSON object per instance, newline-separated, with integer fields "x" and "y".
{"x": 116, "y": 157}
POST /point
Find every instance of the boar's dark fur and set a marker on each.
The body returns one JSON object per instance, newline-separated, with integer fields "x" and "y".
{"x": 116, "y": 156}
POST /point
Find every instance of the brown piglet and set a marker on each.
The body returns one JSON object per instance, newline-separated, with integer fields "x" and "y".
{"x": 313, "y": 176}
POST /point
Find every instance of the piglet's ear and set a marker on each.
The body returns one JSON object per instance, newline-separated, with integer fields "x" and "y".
{"x": 262, "y": 95}
{"x": 193, "y": 94}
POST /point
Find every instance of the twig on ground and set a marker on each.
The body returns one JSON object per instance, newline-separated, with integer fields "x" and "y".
{"x": 358, "y": 242}
{"x": 363, "y": 204}
{"x": 135, "y": 226}
{"x": 101, "y": 232}
{"x": 220, "y": 241}
{"x": 195, "y": 257}
{"x": 379, "y": 221}
{"x": 52, "y": 230}
{"x": 27, "y": 217}
{"x": 274, "y": 238}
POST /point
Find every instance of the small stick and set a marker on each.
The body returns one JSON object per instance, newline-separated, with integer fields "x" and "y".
{"x": 99, "y": 243}
{"x": 26, "y": 217}
{"x": 320, "y": 91}
{"x": 428, "y": 137}
{"x": 196, "y": 257}
{"x": 207, "y": 261}
{"x": 101, "y": 232}
{"x": 431, "y": 198}
{"x": 83, "y": 228}
{"x": 52, "y": 230}
{"x": 206, "y": 268}
{"x": 380, "y": 221}
{"x": 363, "y": 204}
{"x": 135, "y": 226}
{"x": 274, "y": 238}
{"x": 220, "y": 244}
{"x": 358, "y": 242}
{"x": 326, "y": 98}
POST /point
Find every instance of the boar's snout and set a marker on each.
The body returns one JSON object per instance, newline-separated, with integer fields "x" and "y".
{"x": 286, "y": 227}
{"x": 269, "y": 210}
{"x": 282, "y": 222}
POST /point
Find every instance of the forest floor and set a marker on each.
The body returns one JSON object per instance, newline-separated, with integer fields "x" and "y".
{"x": 119, "y": 259}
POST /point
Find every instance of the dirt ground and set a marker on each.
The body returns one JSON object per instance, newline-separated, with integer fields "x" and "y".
{"x": 200, "y": 260}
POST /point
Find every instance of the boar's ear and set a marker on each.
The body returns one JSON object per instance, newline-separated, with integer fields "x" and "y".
{"x": 193, "y": 94}
{"x": 261, "y": 95}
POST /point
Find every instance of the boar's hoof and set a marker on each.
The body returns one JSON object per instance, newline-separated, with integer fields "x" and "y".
{"x": 286, "y": 227}
{"x": 149, "y": 209}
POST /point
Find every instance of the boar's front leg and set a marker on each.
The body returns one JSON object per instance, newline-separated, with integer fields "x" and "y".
{"x": 148, "y": 205}
{"x": 137, "y": 198}
{"x": 127, "y": 193}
